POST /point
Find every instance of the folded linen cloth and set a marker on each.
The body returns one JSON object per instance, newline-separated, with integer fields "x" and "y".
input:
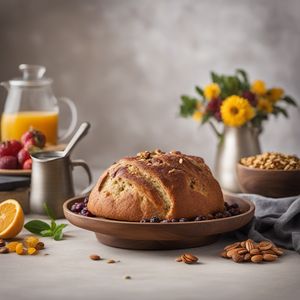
{"x": 276, "y": 219}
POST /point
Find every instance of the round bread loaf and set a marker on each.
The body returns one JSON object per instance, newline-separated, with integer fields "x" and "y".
{"x": 166, "y": 185}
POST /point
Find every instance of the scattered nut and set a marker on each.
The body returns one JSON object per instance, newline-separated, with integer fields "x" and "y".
{"x": 187, "y": 258}
{"x": 248, "y": 250}
{"x": 4, "y": 250}
{"x": 249, "y": 245}
{"x": 39, "y": 246}
{"x": 233, "y": 246}
{"x": 127, "y": 277}
{"x": 265, "y": 245}
{"x": 95, "y": 257}
{"x": 269, "y": 257}
{"x": 224, "y": 254}
{"x": 111, "y": 261}
{"x": 257, "y": 258}
{"x": 237, "y": 258}
{"x": 2, "y": 243}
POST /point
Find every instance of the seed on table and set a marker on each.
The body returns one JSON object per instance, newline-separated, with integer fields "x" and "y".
{"x": 127, "y": 277}
{"x": 111, "y": 261}
{"x": 39, "y": 246}
{"x": 4, "y": 250}
{"x": 95, "y": 257}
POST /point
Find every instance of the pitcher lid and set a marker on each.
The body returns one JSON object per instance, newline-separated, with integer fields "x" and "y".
{"x": 33, "y": 75}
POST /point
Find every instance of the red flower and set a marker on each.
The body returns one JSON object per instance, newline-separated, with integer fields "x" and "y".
{"x": 213, "y": 108}
{"x": 251, "y": 97}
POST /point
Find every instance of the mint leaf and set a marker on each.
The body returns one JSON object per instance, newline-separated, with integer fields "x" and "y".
{"x": 48, "y": 211}
{"x": 58, "y": 234}
{"x": 36, "y": 226}
{"x": 53, "y": 225}
{"x": 47, "y": 232}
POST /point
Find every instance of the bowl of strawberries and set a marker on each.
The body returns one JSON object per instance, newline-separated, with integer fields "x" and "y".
{"x": 15, "y": 155}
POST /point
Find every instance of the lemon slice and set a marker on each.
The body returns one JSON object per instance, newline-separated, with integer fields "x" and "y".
{"x": 11, "y": 218}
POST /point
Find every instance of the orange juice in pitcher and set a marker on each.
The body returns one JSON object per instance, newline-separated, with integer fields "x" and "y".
{"x": 30, "y": 103}
{"x": 14, "y": 125}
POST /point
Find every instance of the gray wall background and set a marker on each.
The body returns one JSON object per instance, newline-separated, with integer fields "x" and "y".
{"x": 126, "y": 62}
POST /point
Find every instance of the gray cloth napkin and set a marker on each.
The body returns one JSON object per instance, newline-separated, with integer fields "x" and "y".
{"x": 276, "y": 219}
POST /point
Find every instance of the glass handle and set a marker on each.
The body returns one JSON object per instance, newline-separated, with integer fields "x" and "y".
{"x": 74, "y": 117}
{"x": 84, "y": 165}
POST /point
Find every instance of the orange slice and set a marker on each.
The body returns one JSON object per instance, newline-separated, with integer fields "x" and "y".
{"x": 11, "y": 219}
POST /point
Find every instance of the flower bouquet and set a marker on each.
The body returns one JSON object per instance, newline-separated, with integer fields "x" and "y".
{"x": 236, "y": 110}
{"x": 234, "y": 101}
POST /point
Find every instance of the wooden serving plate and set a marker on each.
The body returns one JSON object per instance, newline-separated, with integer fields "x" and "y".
{"x": 152, "y": 236}
{"x": 268, "y": 183}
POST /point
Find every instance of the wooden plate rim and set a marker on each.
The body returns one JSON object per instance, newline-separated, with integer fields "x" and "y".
{"x": 213, "y": 221}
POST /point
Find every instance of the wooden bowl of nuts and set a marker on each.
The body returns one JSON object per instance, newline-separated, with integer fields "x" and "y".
{"x": 270, "y": 174}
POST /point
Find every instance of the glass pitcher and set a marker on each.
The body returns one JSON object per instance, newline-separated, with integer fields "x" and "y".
{"x": 30, "y": 103}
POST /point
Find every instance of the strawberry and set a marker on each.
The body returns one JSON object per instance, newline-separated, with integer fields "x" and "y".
{"x": 34, "y": 137}
{"x": 16, "y": 146}
{"x": 23, "y": 155}
{"x": 27, "y": 164}
{"x": 8, "y": 162}
{"x": 10, "y": 148}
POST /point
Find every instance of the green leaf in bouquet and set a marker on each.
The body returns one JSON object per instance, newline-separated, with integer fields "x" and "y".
{"x": 199, "y": 91}
{"x": 215, "y": 77}
{"x": 188, "y": 106}
{"x": 245, "y": 81}
{"x": 279, "y": 110}
{"x": 290, "y": 100}
{"x": 205, "y": 118}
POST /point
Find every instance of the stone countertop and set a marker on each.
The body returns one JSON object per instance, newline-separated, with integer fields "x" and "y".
{"x": 68, "y": 273}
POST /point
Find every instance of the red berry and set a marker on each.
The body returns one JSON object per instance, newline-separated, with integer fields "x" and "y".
{"x": 27, "y": 164}
{"x": 8, "y": 162}
{"x": 10, "y": 148}
{"x": 35, "y": 137}
{"x": 23, "y": 155}
{"x": 16, "y": 146}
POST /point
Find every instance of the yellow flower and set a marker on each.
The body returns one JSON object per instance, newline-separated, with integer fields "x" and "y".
{"x": 275, "y": 94}
{"x": 211, "y": 91}
{"x": 236, "y": 111}
{"x": 258, "y": 87}
{"x": 264, "y": 105}
{"x": 197, "y": 116}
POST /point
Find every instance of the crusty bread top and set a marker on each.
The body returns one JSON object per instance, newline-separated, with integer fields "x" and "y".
{"x": 166, "y": 185}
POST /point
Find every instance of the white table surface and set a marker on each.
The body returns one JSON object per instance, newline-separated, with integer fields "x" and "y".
{"x": 68, "y": 273}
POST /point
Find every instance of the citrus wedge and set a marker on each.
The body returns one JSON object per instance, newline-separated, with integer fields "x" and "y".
{"x": 11, "y": 218}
